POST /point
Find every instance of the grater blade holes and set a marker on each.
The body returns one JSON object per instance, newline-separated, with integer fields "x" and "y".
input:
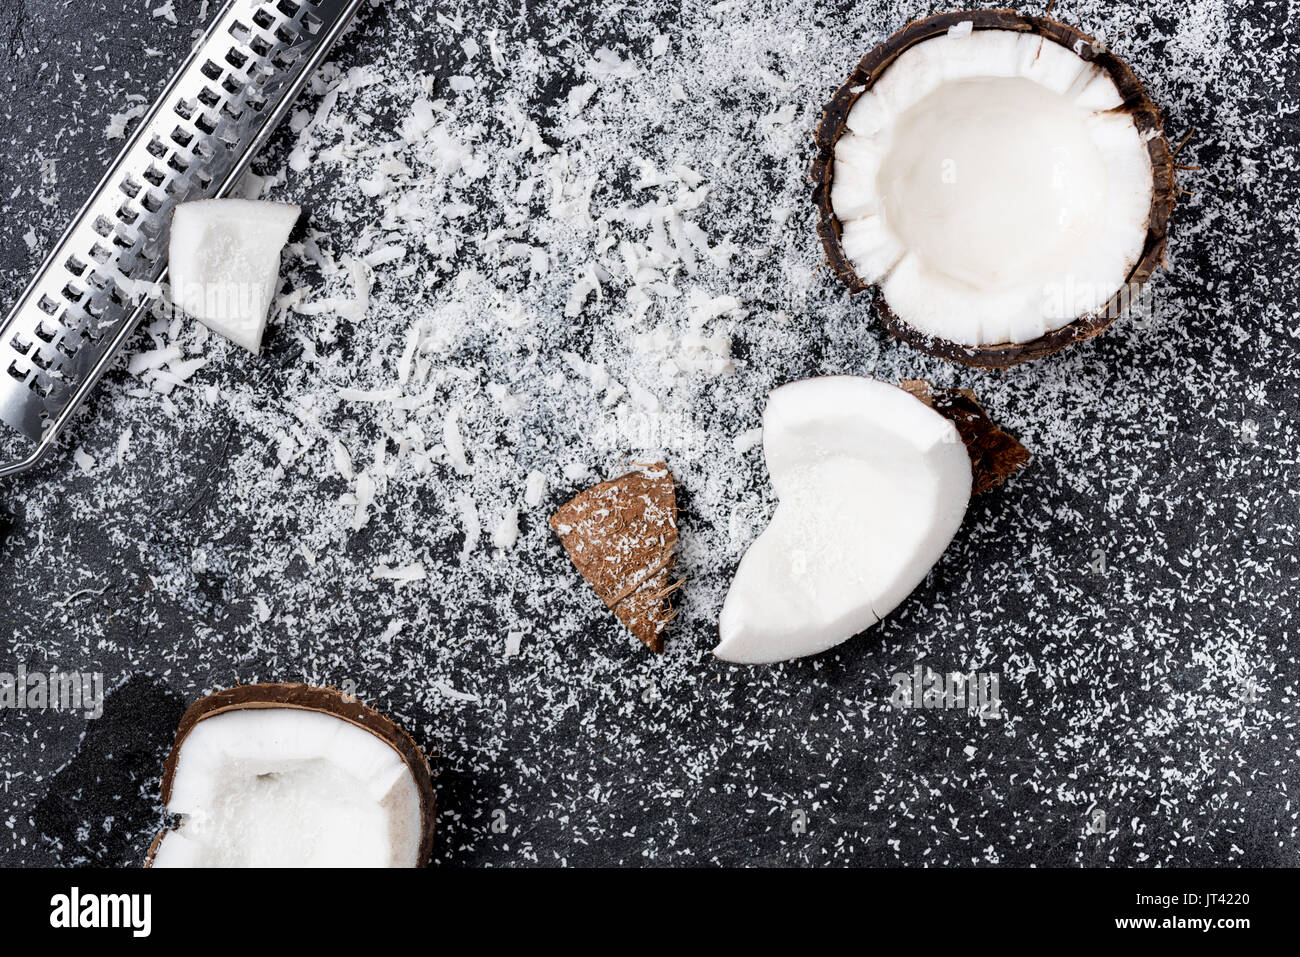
{"x": 286, "y": 58}
{"x": 47, "y": 331}
{"x": 151, "y": 228}
{"x": 95, "y": 331}
{"x": 127, "y": 267}
{"x": 41, "y": 360}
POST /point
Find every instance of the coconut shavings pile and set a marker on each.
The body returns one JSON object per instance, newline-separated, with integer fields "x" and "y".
{"x": 545, "y": 242}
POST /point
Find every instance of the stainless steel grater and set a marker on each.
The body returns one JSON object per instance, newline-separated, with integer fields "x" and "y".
{"x": 195, "y": 141}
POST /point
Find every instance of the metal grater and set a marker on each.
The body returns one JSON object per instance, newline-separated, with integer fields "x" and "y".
{"x": 194, "y": 143}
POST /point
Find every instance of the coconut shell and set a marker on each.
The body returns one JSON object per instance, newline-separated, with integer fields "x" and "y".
{"x": 622, "y": 537}
{"x": 1146, "y": 117}
{"x": 994, "y": 455}
{"x": 305, "y": 697}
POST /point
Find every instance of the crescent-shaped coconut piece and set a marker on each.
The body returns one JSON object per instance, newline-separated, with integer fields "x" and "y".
{"x": 1003, "y": 181}
{"x": 872, "y": 482}
{"x": 292, "y": 775}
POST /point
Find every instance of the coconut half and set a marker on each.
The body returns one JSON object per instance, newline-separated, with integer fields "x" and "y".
{"x": 1002, "y": 180}
{"x": 872, "y": 481}
{"x": 224, "y": 263}
{"x": 289, "y": 775}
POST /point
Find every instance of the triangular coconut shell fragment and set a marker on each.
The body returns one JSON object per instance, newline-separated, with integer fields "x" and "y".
{"x": 622, "y": 537}
{"x": 994, "y": 455}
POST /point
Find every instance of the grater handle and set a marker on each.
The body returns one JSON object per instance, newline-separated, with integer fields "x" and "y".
{"x": 195, "y": 142}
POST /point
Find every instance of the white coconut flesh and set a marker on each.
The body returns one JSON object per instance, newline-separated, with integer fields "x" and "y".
{"x": 872, "y": 485}
{"x": 988, "y": 185}
{"x": 284, "y": 787}
{"x": 224, "y": 263}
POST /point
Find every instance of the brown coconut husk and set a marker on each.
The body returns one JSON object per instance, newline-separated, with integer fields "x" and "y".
{"x": 305, "y": 697}
{"x": 994, "y": 455}
{"x": 622, "y": 537}
{"x": 1145, "y": 114}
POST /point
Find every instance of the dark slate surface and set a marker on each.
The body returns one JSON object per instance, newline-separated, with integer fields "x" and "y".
{"x": 80, "y": 793}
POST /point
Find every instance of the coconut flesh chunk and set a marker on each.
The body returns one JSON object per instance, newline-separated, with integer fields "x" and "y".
{"x": 224, "y": 263}
{"x": 288, "y": 787}
{"x": 989, "y": 186}
{"x": 872, "y": 485}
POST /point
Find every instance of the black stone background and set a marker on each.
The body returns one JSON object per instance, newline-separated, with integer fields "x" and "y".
{"x": 110, "y": 768}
